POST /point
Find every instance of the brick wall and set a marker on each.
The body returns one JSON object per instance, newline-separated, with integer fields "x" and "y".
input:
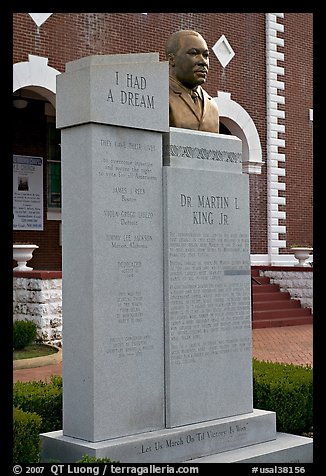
{"x": 299, "y": 94}
{"x": 68, "y": 36}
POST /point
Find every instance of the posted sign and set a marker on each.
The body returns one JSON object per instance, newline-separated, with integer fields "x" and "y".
{"x": 27, "y": 193}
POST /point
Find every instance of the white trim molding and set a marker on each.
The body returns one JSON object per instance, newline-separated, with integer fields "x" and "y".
{"x": 280, "y": 260}
{"x": 36, "y": 74}
{"x": 39, "y": 18}
{"x": 241, "y": 125}
{"x": 274, "y": 84}
{"x": 223, "y": 51}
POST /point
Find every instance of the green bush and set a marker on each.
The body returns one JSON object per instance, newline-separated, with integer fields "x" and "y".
{"x": 26, "y": 440}
{"x": 93, "y": 459}
{"x": 287, "y": 390}
{"x": 43, "y": 398}
{"x": 24, "y": 333}
{"x": 56, "y": 380}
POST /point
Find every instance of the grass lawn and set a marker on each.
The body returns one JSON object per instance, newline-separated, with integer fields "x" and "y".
{"x": 33, "y": 350}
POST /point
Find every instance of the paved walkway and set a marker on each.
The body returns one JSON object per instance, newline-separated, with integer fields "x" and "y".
{"x": 289, "y": 344}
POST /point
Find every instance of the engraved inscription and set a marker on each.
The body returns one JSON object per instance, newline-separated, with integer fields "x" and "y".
{"x": 130, "y": 307}
{"x": 133, "y": 92}
{"x": 122, "y": 164}
{"x": 129, "y": 345}
{"x": 128, "y": 175}
{"x": 204, "y": 305}
{"x": 222, "y": 437}
{"x": 202, "y": 153}
{"x": 208, "y": 217}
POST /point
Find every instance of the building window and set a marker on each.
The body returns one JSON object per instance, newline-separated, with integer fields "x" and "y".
{"x": 54, "y": 164}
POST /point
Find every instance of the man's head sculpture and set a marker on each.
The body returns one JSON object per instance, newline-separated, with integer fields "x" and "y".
{"x": 190, "y": 106}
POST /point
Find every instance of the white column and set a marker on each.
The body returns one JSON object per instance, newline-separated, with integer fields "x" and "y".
{"x": 274, "y": 143}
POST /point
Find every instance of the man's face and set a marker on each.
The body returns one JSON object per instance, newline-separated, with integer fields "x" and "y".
{"x": 190, "y": 64}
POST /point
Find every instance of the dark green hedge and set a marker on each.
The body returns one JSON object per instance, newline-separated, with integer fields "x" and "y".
{"x": 287, "y": 390}
{"x": 26, "y": 440}
{"x": 92, "y": 459}
{"x": 24, "y": 333}
{"x": 43, "y": 398}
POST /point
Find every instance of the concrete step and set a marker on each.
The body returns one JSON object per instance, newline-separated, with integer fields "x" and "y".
{"x": 287, "y": 321}
{"x": 284, "y": 449}
{"x": 281, "y": 304}
{"x": 258, "y": 280}
{"x": 254, "y": 272}
{"x": 273, "y": 296}
{"x": 281, "y": 313}
{"x": 265, "y": 288}
{"x": 272, "y": 307}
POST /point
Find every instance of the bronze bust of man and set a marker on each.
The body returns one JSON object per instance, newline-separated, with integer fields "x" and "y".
{"x": 190, "y": 106}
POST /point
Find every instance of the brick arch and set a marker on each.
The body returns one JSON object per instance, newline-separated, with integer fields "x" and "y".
{"x": 240, "y": 124}
{"x": 36, "y": 75}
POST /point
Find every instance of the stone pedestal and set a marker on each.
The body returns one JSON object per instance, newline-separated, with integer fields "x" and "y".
{"x": 170, "y": 445}
{"x": 248, "y": 438}
{"x": 206, "y": 278}
{"x": 112, "y": 111}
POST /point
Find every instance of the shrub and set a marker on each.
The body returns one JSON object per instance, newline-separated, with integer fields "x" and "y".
{"x": 26, "y": 441}
{"x": 56, "y": 380}
{"x": 24, "y": 333}
{"x": 287, "y": 390}
{"x": 43, "y": 398}
{"x": 93, "y": 459}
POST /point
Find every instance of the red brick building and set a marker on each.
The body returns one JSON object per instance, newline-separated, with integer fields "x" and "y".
{"x": 261, "y": 67}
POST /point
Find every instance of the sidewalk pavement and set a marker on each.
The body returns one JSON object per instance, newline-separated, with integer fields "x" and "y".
{"x": 288, "y": 344}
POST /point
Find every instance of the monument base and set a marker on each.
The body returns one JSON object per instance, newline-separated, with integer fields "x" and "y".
{"x": 285, "y": 448}
{"x": 248, "y": 437}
